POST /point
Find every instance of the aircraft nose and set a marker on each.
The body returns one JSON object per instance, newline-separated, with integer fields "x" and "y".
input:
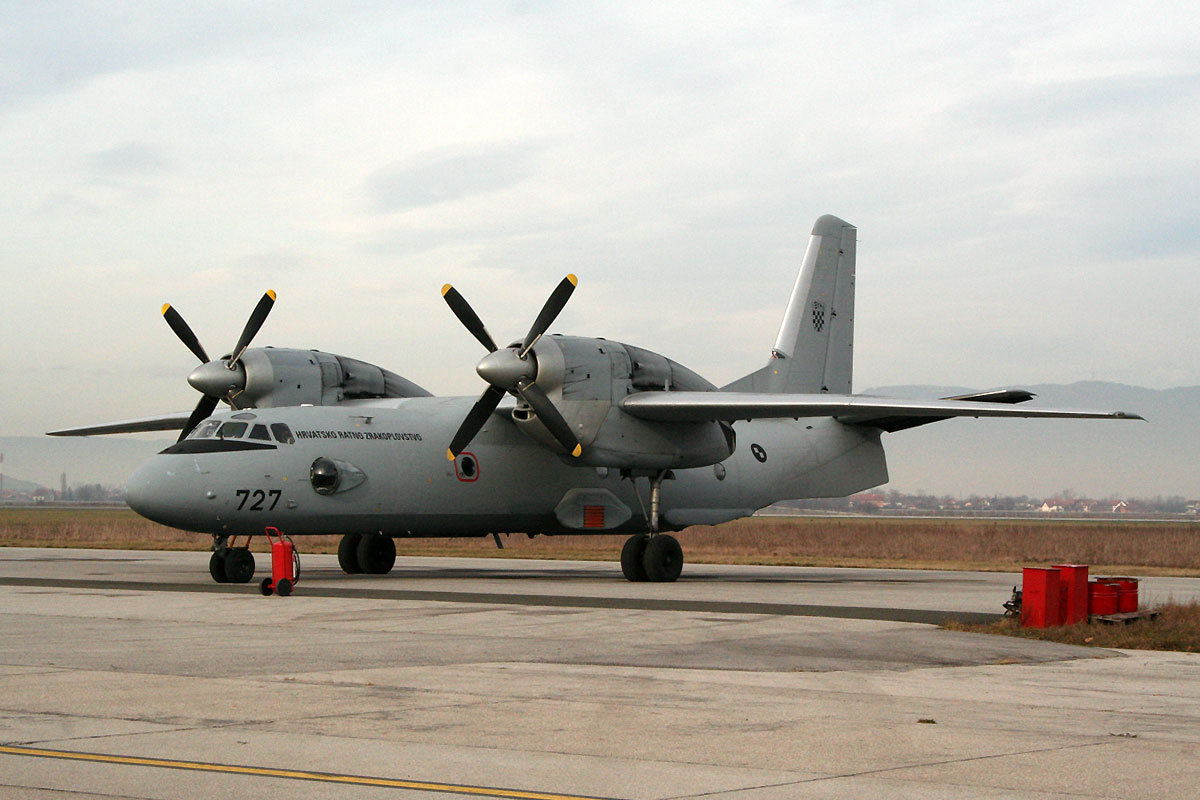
{"x": 148, "y": 493}
{"x": 139, "y": 491}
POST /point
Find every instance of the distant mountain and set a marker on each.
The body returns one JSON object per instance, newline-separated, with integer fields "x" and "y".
{"x": 11, "y": 484}
{"x": 1038, "y": 457}
{"x": 956, "y": 457}
{"x": 107, "y": 460}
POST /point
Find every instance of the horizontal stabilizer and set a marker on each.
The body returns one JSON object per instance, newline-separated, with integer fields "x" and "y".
{"x": 849, "y": 408}
{"x": 162, "y": 422}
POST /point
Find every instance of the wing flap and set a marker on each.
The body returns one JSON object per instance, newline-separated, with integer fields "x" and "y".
{"x": 849, "y": 408}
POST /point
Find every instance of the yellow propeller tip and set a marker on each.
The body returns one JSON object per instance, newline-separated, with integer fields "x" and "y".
{"x": 571, "y": 277}
{"x": 446, "y": 289}
{"x": 271, "y": 294}
{"x": 166, "y": 308}
{"x": 577, "y": 451}
{"x": 449, "y": 454}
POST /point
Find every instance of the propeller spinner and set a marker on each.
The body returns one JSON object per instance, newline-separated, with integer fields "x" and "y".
{"x": 224, "y": 378}
{"x": 511, "y": 369}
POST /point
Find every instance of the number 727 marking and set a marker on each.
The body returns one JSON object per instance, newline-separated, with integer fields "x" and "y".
{"x": 260, "y": 497}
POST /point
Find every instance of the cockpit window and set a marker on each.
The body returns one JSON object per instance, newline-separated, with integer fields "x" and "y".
{"x": 206, "y": 430}
{"x": 260, "y": 432}
{"x": 232, "y": 430}
{"x": 283, "y": 434}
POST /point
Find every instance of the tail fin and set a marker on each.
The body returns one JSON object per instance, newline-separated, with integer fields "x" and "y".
{"x": 815, "y": 348}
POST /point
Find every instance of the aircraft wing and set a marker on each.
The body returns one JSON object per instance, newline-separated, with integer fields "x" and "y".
{"x": 161, "y": 422}
{"x": 886, "y": 413}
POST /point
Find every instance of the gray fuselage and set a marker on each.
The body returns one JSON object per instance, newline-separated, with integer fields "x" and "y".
{"x": 405, "y": 486}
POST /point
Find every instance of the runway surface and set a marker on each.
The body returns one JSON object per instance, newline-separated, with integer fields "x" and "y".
{"x": 131, "y": 674}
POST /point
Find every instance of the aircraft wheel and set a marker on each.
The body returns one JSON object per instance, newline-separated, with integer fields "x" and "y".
{"x": 265, "y": 587}
{"x": 283, "y": 588}
{"x": 216, "y": 566}
{"x": 376, "y": 553}
{"x": 631, "y": 558}
{"x": 348, "y": 554}
{"x": 239, "y": 564}
{"x": 663, "y": 558}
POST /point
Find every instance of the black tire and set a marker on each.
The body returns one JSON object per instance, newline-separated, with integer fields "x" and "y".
{"x": 265, "y": 587}
{"x": 348, "y": 554}
{"x": 283, "y": 588}
{"x": 631, "y": 558}
{"x": 239, "y": 564}
{"x": 216, "y": 566}
{"x": 663, "y": 558}
{"x": 376, "y": 554}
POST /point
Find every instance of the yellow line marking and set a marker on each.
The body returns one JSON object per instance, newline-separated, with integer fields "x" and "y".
{"x": 293, "y": 774}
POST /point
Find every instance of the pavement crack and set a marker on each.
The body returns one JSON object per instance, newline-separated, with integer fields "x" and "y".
{"x": 884, "y": 770}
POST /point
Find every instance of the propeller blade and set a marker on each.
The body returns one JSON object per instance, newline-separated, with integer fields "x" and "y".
{"x": 476, "y": 418}
{"x": 467, "y": 316}
{"x": 554, "y": 305}
{"x": 204, "y": 409}
{"x": 257, "y": 318}
{"x": 184, "y": 333}
{"x": 532, "y": 393}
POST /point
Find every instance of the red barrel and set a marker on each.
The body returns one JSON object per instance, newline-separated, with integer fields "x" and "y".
{"x": 1127, "y": 594}
{"x": 1102, "y": 597}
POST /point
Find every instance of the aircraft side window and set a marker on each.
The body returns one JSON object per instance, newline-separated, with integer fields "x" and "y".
{"x": 283, "y": 433}
{"x": 232, "y": 430}
{"x": 260, "y": 432}
{"x": 206, "y": 430}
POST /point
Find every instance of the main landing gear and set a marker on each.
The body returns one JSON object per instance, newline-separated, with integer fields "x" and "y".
{"x": 370, "y": 553}
{"x": 652, "y": 556}
{"x": 229, "y": 564}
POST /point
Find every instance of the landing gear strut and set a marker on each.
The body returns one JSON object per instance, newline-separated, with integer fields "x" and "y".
{"x": 372, "y": 553}
{"x": 652, "y": 556}
{"x": 229, "y": 564}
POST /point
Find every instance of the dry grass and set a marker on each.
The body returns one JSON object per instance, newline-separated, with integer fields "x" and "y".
{"x": 1176, "y": 628}
{"x": 1143, "y": 548}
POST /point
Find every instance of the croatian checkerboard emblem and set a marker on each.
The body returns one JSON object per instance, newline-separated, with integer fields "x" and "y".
{"x": 818, "y": 316}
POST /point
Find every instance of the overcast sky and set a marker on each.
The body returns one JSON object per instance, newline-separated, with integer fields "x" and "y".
{"x": 1023, "y": 177}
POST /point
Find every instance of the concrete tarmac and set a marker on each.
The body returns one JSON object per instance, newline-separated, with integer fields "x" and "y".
{"x": 131, "y": 674}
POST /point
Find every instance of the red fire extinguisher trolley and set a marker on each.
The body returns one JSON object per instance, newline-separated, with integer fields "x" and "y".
{"x": 285, "y": 564}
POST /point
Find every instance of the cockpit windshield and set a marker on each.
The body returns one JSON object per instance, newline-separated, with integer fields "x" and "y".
{"x": 206, "y": 430}
{"x": 231, "y": 429}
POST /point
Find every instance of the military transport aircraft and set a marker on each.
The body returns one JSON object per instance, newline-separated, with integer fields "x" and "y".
{"x": 571, "y": 435}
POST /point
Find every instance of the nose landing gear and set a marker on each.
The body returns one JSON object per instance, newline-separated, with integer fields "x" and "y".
{"x": 229, "y": 564}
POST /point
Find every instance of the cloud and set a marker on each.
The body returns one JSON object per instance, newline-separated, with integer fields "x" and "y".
{"x": 129, "y": 159}
{"x": 435, "y": 178}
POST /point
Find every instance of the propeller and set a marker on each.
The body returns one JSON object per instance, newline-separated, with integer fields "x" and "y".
{"x": 512, "y": 369}
{"x": 224, "y": 378}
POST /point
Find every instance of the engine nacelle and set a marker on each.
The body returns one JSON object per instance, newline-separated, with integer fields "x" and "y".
{"x": 587, "y": 378}
{"x": 280, "y": 376}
